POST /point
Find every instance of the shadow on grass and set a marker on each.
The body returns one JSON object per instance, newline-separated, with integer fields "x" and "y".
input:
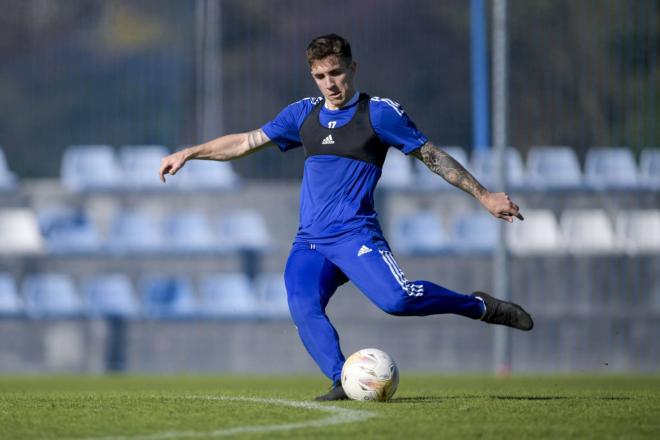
{"x": 436, "y": 399}
{"x": 559, "y": 398}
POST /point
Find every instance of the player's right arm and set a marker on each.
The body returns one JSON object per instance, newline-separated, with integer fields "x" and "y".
{"x": 228, "y": 147}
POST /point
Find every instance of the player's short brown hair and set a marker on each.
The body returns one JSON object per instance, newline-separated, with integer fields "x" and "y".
{"x": 329, "y": 45}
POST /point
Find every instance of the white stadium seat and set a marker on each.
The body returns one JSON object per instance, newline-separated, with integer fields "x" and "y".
{"x": 587, "y": 231}
{"x": 538, "y": 233}
{"x": 553, "y": 167}
{"x": 19, "y": 232}
{"x": 638, "y": 230}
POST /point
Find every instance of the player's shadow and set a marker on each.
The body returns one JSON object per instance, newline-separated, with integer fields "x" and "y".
{"x": 432, "y": 399}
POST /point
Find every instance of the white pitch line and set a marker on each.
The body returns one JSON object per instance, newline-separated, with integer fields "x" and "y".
{"x": 337, "y": 416}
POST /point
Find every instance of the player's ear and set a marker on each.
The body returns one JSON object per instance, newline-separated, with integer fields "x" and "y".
{"x": 311, "y": 67}
{"x": 352, "y": 67}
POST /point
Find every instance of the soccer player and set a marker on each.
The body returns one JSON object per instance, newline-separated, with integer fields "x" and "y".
{"x": 345, "y": 135}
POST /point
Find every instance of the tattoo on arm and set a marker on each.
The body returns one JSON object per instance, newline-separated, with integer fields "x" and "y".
{"x": 449, "y": 169}
{"x": 257, "y": 138}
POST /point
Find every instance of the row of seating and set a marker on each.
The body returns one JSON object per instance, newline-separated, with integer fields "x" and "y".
{"x": 578, "y": 231}
{"x": 219, "y": 295}
{"x": 64, "y": 230}
{"x": 547, "y": 168}
{"x": 133, "y": 168}
{"x": 98, "y": 167}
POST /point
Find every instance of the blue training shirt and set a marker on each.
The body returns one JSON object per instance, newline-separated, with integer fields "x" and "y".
{"x": 336, "y": 199}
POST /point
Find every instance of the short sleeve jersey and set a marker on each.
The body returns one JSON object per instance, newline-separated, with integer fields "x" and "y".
{"x": 337, "y": 192}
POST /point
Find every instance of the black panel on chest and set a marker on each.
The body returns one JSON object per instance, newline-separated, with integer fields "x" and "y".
{"x": 355, "y": 140}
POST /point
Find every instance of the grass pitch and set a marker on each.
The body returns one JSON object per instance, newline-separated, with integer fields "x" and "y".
{"x": 169, "y": 407}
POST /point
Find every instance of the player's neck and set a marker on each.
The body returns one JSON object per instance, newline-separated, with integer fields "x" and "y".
{"x": 353, "y": 100}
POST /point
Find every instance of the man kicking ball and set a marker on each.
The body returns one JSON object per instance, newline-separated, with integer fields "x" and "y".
{"x": 345, "y": 135}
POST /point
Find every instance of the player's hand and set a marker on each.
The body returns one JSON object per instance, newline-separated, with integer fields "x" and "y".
{"x": 171, "y": 164}
{"x": 501, "y": 206}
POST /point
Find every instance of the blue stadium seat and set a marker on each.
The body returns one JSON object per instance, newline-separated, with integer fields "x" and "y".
{"x": 553, "y": 167}
{"x": 49, "y": 295}
{"x": 7, "y": 178}
{"x": 206, "y": 175}
{"x": 427, "y": 179}
{"x": 397, "y": 171}
{"x": 419, "y": 234}
{"x": 134, "y": 231}
{"x": 272, "y": 295}
{"x": 229, "y": 295}
{"x": 167, "y": 297}
{"x": 244, "y": 230}
{"x": 110, "y": 295}
{"x": 188, "y": 231}
{"x": 68, "y": 231}
{"x": 483, "y": 168}
{"x": 140, "y": 165}
{"x": 611, "y": 168}
{"x": 475, "y": 232}
{"x": 90, "y": 168}
{"x": 10, "y": 302}
{"x": 587, "y": 231}
{"x": 649, "y": 168}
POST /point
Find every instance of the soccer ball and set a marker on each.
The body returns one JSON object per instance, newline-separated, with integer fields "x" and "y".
{"x": 370, "y": 374}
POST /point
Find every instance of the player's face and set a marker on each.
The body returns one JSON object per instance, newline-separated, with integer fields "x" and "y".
{"x": 334, "y": 78}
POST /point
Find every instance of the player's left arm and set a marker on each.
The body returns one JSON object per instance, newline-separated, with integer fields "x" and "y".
{"x": 445, "y": 166}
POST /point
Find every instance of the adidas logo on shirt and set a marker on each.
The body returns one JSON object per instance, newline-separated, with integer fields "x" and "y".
{"x": 328, "y": 140}
{"x": 363, "y": 250}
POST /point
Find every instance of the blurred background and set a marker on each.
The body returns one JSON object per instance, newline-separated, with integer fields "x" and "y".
{"x": 103, "y": 268}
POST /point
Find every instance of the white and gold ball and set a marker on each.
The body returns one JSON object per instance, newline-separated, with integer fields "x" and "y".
{"x": 370, "y": 374}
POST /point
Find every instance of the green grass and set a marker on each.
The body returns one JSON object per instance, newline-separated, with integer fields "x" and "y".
{"x": 452, "y": 407}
